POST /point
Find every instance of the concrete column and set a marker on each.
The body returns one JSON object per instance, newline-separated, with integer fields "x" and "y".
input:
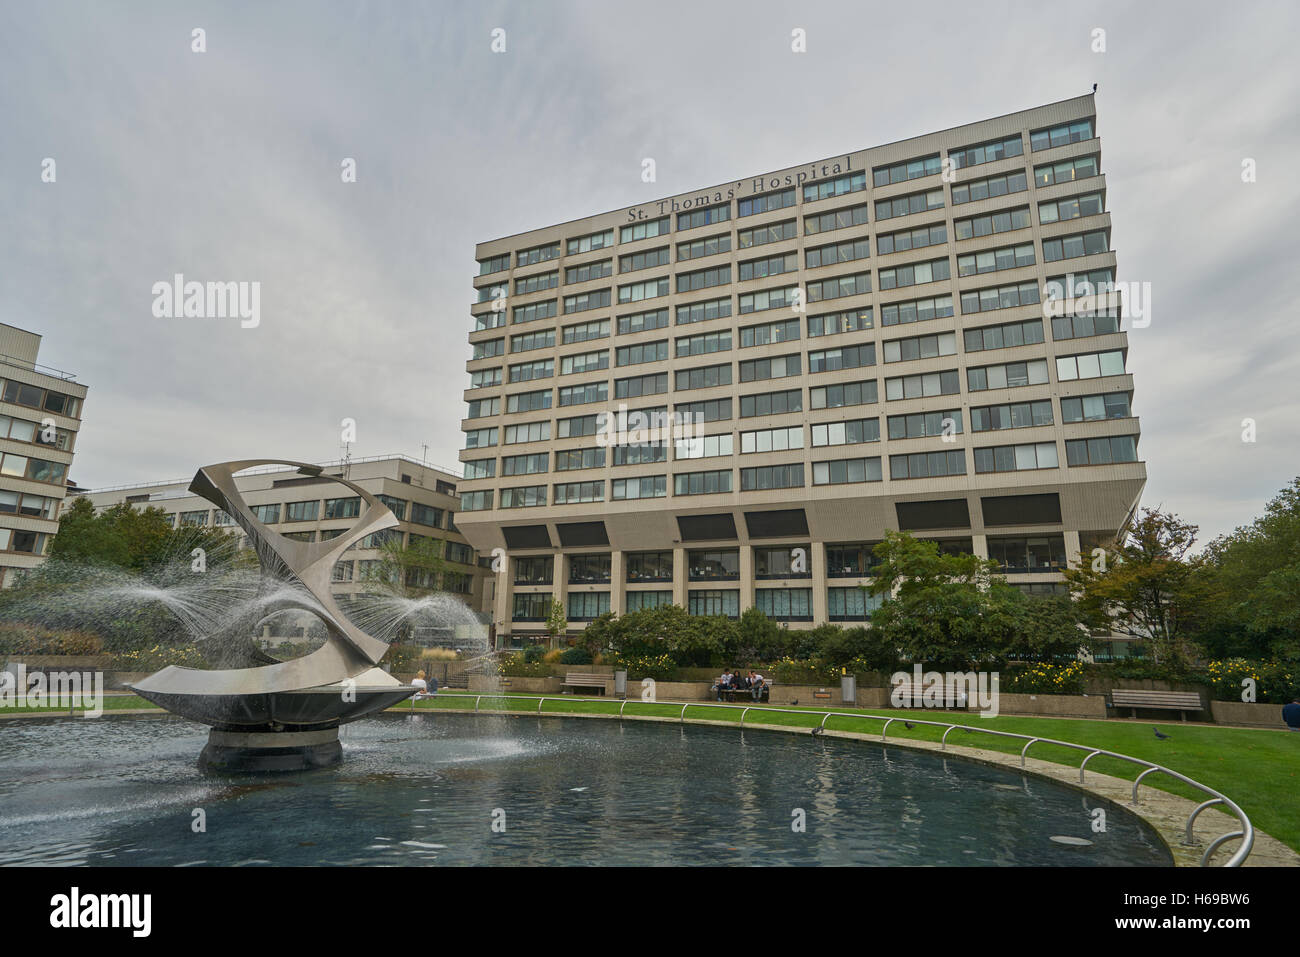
{"x": 680, "y": 572}
{"x": 980, "y": 545}
{"x": 817, "y": 558}
{"x": 560, "y": 590}
{"x": 1072, "y": 548}
{"x": 505, "y": 597}
{"x": 746, "y": 578}
{"x": 617, "y": 584}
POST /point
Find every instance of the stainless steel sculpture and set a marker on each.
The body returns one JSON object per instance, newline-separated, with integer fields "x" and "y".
{"x": 285, "y": 714}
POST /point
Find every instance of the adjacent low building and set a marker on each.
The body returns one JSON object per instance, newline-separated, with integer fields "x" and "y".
{"x": 313, "y": 508}
{"x": 901, "y": 337}
{"x": 40, "y": 415}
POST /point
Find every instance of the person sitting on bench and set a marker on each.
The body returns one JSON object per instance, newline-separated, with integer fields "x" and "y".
{"x": 756, "y": 682}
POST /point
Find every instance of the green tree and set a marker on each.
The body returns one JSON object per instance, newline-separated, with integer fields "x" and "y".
{"x": 556, "y": 622}
{"x": 413, "y": 570}
{"x": 1148, "y": 587}
{"x": 760, "y": 638}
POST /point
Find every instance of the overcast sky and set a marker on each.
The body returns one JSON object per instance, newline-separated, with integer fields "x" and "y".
{"x": 225, "y": 165}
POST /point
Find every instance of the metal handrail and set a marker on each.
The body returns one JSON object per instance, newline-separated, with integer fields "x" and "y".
{"x": 1246, "y": 833}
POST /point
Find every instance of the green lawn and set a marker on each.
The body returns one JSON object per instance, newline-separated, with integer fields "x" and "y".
{"x": 1259, "y": 769}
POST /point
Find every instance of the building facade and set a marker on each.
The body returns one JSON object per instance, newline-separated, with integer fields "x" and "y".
{"x": 724, "y": 398}
{"x": 312, "y": 509}
{"x": 40, "y": 415}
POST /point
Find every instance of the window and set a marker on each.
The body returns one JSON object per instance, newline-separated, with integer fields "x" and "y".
{"x": 531, "y": 606}
{"x": 703, "y": 377}
{"x": 480, "y": 408}
{"x": 851, "y": 604}
{"x": 834, "y": 219}
{"x": 1085, "y": 324}
{"x": 476, "y": 501}
{"x": 641, "y": 385}
{"x": 480, "y": 438}
{"x": 713, "y": 564}
{"x": 533, "y": 311}
{"x": 703, "y": 343}
{"x": 771, "y": 403}
{"x": 537, "y": 282}
{"x": 924, "y": 425}
{"x": 589, "y": 271}
{"x": 766, "y": 203}
{"x": 766, "y": 299}
{"x": 266, "y": 514}
{"x": 922, "y": 386}
{"x": 1092, "y": 408}
{"x": 784, "y": 604}
{"x": 771, "y": 476}
{"x": 480, "y": 468}
{"x": 647, "y": 230}
{"x": 702, "y": 483}
{"x": 916, "y": 310}
{"x": 341, "y": 572}
{"x": 914, "y": 274}
{"x": 528, "y": 257}
{"x": 906, "y": 239}
{"x": 1012, "y": 375}
{"x": 714, "y": 602}
{"x": 704, "y": 247}
{"x": 700, "y": 279}
{"x": 596, "y": 299}
{"x": 760, "y": 268}
{"x": 585, "y": 244}
{"x": 990, "y": 188}
{"x": 300, "y": 511}
{"x": 200, "y": 517}
{"x": 488, "y": 348}
{"x": 577, "y": 426}
{"x": 641, "y": 454}
{"x": 704, "y": 217}
{"x": 987, "y": 152}
{"x": 777, "y": 367}
{"x": 839, "y": 287}
{"x": 762, "y": 235}
{"x": 710, "y": 410}
{"x": 1093, "y": 283}
{"x": 642, "y": 352}
{"x": 495, "y": 264}
{"x": 584, "y": 362}
{"x": 531, "y": 432}
{"x": 587, "y": 606}
{"x": 1016, "y": 458}
{"x": 839, "y": 186}
{"x": 909, "y": 205}
{"x": 648, "y": 566}
{"x": 524, "y": 496}
{"x": 643, "y": 321}
{"x": 648, "y": 259}
{"x": 1093, "y": 365}
{"x": 528, "y": 401}
{"x": 1060, "y": 135}
{"x": 843, "y": 395}
{"x": 1016, "y": 415}
{"x": 1045, "y": 553}
{"x": 993, "y": 260}
{"x": 343, "y": 507}
{"x": 485, "y": 378}
{"x": 567, "y": 460}
{"x": 836, "y": 253}
{"x": 1072, "y": 207}
{"x": 643, "y": 600}
{"x": 395, "y": 505}
{"x": 909, "y": 169}
{"x": 1105, "y": 450}
{"x": 534, "y": 570}
{"x": 1066, "y": 171}
{"x": 647, "y": 486}
{"x": 527, "y": 371}
{"x": 586, "y": 331}
{"x": 779, "y": 562}
{"x": 701, "y": 311}
{"x": 489, "y": 320}
{"x": 921, "y": 347}
{"x": 846, "y": 357}
{"x": 768, "y": 333}
{"x": 927, "y": 464}
{"x": 832, "y": 323}
{"x": 544, "y": 339}
{"x": 589, "y": 569}
{"x": 850, "y": 432}
{"x": 1072, "y": 247}
{"x": 1001, "y": 222}
{"x": 1005, "y": 336}
{"x": 583, "y": 394}
{"x": 772, "y": 440}
{"x": 999, "y": 297}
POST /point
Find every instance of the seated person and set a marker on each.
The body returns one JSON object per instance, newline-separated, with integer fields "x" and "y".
{"x": 1291, "y": 714}
{"x": 756, "y": 683}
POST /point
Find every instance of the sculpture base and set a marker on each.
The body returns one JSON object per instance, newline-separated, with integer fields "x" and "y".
{"x": 265, "y": 751}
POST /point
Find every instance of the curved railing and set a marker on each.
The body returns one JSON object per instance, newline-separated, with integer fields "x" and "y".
{"x": 1246, "y": 832}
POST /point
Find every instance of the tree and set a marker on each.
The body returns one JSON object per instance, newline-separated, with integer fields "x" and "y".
{"x": 412, "y": 570}
{"x": 760, "y": 638}
{"x": 556, "y": 622}
{"x": 1253, "y": 575}
{"x": 949, "y": 612}
{"x": 1147, "y": 586}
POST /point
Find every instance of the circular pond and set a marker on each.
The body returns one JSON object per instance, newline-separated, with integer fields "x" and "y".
{"x": 483, "y": 789}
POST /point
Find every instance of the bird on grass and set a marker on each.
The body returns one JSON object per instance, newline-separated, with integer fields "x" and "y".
{"x": 908, "y": 725}
{"x": 794, "y": 701}
{"x": 1162, "y": 737}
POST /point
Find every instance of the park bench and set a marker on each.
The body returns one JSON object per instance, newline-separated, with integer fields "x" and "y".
{"x": 917, "y": 694}
{"x": 1180, "y": 701}
{"x": 747, "y": 694}
{"x": 583, "y": 679}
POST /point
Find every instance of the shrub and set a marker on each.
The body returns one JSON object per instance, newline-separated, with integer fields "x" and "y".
{"x": 534, "y": 654}
{"x": 23, "y": 639}
{"x": 808, "y": 672}
{"x": 576, "y": 656}
{"x": 401, "y": 658}
{"x": 159, "y": 656}
{"x": 518, "y": 666}
{"x": 1276, "y": 682}
{"x": 1046, "y": 678}
{"x": 658, "y": 667}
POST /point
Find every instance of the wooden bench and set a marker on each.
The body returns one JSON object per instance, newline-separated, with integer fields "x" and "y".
{"x": 1180, "y": 701}
{"x": 961, "y": 701}
{"x": 583, "y": 679}
{"x": 745, "y": 694}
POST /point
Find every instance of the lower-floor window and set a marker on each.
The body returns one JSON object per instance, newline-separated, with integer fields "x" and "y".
{"x": 585, "y": 606}
{"x": 851, "y": 604}
{"x": 531, "y": 606}
{"x": 714, "y": 602}
{"x": 785, "y": 604}
{"x": 641, "y": 600}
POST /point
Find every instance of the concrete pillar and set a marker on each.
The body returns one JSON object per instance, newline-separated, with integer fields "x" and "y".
{"x": 1072, "y": 548}
{"x": 680, "y": 574}
{"x": 503, "y": 607}
{"x": 617, "y": 583}
{"x": 817, "y": 558}
{"x": 560, "y": 592}
{"x": 980, "y": 545}
{"x": 746, "y": 598}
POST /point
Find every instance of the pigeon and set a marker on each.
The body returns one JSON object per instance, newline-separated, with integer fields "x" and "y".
{"x": 908, "y": 725}
{"x": 1094, "y": 88}
{"x": 1162, "y": 737}
{"x": 817, "y": 731}
{"x": 794, "y": 701}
